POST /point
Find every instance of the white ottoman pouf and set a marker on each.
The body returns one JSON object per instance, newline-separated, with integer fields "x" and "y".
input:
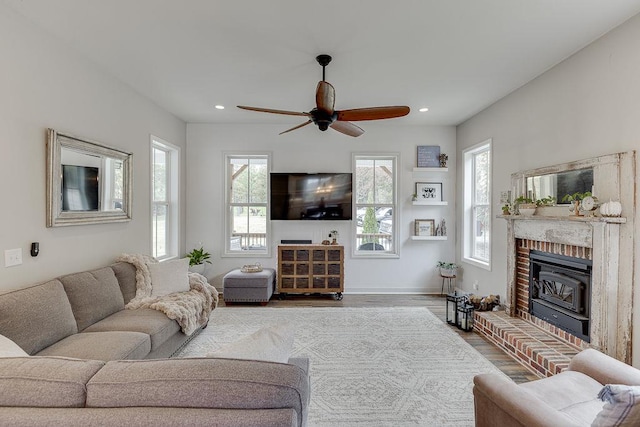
{"x": 249, "y": 287}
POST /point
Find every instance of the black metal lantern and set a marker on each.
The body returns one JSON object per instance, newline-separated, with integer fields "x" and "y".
{"x": 453, "y": 301}
{"x": 465, "y": 317}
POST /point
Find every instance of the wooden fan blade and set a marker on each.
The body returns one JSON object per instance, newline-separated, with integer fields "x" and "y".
{"x": 373, "y": 113}
{"x": 325, "y": 97}
{"x": 270, "y": 110}
{"x": 347, "y": 128}
{"x": 295, "y": 127}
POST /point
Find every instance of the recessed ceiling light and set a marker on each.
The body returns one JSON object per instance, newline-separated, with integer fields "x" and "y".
{"x": 220, "y": 107}
{"x": 423, "y": 109}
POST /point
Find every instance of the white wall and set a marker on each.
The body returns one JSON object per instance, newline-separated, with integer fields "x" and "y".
{"x": 44, "y": 84}
{"x": 585, "y": 107}
{"x": 309, "y": 150}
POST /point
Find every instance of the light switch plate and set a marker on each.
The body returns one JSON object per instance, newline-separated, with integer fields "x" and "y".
{"x": 12, "y": 257}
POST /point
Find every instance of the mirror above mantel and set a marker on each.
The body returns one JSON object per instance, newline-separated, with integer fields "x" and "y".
{"x": 87, "y": 182}
{"x": 599, "y": 175}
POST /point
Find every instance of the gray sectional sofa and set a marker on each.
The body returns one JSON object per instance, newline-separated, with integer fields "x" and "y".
{"x": 82, "y": 315}
{"x": 84, "y": 367}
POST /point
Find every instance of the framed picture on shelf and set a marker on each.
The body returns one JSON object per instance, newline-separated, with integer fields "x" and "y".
{"x": 429, "y": 191}
{"x": 425, "y": 227}
{"x": 428, "y": 156}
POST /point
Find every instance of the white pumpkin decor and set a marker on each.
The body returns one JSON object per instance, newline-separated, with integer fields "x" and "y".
{"x": 611, "y": 208}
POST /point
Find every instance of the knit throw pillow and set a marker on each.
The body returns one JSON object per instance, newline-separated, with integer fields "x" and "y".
{"x": 169, "y": 277}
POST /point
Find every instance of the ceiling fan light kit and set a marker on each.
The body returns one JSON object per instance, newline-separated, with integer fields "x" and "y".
{"x": 325, "y": 116}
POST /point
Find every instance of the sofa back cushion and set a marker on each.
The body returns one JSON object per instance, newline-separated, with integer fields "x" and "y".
{"x": 45, "y": 382}
{"x": 36, "y": 317}
{"x": 93, "y": 295}
{"x": 126, "y": 275}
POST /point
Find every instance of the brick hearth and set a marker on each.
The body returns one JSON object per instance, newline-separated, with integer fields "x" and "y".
{"x": 536, "y": 349}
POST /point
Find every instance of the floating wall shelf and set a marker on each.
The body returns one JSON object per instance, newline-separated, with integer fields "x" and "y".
{"x": 428, "y": 237}
{"x": 421, "y": 203}
{"x": 431, "y": 169}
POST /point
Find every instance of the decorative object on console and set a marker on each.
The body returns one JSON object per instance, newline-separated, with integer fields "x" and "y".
{"x": 428, "y": 156}
{"x": 611, "y": 209}
{"x": 333, "y": 234}
{"x": 424, "y": 227}
{"x": 441, "y": 229}
{"x": 429, "y": 191}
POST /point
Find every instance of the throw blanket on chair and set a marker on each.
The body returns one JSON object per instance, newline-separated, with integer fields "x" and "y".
{"x": 190, "y": 309}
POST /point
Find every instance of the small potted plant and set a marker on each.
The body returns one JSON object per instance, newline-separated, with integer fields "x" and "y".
{"x": 447, "y": 269}
{"x": 575, "y": 200}
{"x": 197, "y": 260}
{"x": 526, "y": 206}
{"x": 506, "y": 209}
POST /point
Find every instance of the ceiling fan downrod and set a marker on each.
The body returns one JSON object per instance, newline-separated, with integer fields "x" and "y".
{"x": 323, "y": 60}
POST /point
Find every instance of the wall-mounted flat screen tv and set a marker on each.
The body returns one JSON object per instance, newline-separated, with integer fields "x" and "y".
{"x": 311, "y": 196}
{"x": 80, "y": 188}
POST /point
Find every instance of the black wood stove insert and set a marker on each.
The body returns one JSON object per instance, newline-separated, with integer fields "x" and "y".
{"x": 560, "y": 291}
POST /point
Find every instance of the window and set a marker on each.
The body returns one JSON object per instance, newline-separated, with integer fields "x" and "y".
{"x": 477, "y": 205}
{"x": 375, "y": 205}
{"x": 164, "y": 199}
{"x": 247, "y": 191}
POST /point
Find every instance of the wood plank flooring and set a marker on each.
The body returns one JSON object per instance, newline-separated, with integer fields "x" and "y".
{"x": 433, "y": 302}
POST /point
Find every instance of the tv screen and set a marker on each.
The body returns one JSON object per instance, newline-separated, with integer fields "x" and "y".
{"x": 316, "y": 196}
{"x": 79, "y": 188}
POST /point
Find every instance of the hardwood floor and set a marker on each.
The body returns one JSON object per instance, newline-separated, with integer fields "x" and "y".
{"x": 436, "y": 304}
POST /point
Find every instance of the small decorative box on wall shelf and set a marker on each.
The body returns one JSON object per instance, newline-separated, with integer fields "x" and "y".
{"x": 431, "y": 169}
{"x": 428, "y": 237}
{"x": 424, "y": 203}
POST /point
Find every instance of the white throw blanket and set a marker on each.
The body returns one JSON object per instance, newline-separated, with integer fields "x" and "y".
{"x": 190, "y": 309}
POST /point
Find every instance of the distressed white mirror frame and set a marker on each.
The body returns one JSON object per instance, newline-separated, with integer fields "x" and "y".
{"x": 56, "y": 216}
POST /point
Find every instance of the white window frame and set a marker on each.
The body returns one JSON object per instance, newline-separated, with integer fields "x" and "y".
{"x": 395, "y": 251}
{"x": 228, "y": 223}
{"x": 469, "y": 226}
{"x": 172, "y": 201}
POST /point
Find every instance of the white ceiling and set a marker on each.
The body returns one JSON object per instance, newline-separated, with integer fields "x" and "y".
{"x": 454, "y": 56}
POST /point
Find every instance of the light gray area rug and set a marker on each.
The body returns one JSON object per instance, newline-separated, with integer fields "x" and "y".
{"x": 369, "y": 366}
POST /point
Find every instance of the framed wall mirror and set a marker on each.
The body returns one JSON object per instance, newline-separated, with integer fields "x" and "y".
{"x": 560, "y": 184}
{"x": 87, "y": 182}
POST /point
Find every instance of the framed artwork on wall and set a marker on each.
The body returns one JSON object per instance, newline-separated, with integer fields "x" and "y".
{"x": 429, "y": 191}
{"x": 425, "y": 227}
{"x": 428, "y": 156}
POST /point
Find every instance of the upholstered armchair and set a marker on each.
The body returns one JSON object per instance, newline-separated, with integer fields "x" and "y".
{"x": 578, "y": 396}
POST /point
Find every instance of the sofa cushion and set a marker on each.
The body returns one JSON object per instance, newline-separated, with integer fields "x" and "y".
{"x": 36, "y": 317}
{"x": 45, "y": 382}
{"x": 270, "y": 344}
{"x": 200, "y": 383}
{"x": 126, "y": 275}
{"x": 10, "y": 349}
{"x": 622, "y": 407}
{"x": 101, "y": 346}
{"x": 169, "y": 277}
{"x": 151, "y": 322}
{"x": 93, "y": 295}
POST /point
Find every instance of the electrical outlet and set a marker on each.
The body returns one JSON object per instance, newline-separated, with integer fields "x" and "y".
{"x": 12, "y": 257}
{"x": 475, "y": 285}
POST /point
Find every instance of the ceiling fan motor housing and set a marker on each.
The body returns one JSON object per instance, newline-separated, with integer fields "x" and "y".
{"x": 322, "y": 118}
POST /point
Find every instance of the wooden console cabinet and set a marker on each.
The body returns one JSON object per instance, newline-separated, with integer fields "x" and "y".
{"x": 311, "y": 269}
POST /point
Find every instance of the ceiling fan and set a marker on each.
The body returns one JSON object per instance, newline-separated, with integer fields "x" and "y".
{"x": 325, "y": 116}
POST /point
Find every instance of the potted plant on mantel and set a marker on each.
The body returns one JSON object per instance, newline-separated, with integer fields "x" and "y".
{"x": 526, "y": 206}
{"x": 197, "y": 260}
{"x": 447, "y": 269}
{"x": 575, "y": 200}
